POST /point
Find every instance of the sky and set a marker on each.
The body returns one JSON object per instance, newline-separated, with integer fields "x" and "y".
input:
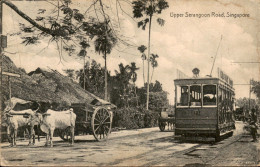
{"x": 183, "y": 43}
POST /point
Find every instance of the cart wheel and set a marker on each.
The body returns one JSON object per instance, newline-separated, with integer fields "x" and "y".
{"x": 162, "y": 126}
{"x": 101, "y": 123}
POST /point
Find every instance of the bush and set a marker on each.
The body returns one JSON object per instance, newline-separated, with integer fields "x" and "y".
{"x": 134, "y": 118}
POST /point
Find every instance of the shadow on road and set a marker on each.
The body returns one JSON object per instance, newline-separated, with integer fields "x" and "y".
{"x": 173, "y": 139}
{"x": 78, "y": 141}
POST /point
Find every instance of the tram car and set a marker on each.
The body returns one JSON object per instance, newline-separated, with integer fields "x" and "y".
{"x": 204, "y": 106}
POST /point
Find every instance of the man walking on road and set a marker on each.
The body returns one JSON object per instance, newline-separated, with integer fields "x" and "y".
{"x": 253, "y": 126}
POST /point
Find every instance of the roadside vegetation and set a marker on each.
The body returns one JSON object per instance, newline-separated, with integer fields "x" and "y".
{"x": 74, "y": 30}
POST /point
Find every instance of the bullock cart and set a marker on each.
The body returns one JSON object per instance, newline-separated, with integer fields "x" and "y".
{"x": 93, "y": 120}
{"x": 166, "y": 119}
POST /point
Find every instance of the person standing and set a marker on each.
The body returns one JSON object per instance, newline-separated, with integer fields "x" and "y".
{"x": 252, "y": 123}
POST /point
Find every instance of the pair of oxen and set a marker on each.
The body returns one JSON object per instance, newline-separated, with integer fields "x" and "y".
{"x": 48, "y": 122}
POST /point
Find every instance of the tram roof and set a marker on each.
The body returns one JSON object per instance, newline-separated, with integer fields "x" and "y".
{"x": 202, "y": 80}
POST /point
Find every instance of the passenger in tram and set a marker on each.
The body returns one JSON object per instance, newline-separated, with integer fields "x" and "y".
{"x": 184, "y": 96}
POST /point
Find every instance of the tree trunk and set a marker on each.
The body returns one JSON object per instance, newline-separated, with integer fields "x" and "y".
{"x": 105, "y": 56}
{"x": 151, "y": 76}
{"x": 148, "y": 63}
{"x": 136, "y": 95}
{"x": 143, "y": 72}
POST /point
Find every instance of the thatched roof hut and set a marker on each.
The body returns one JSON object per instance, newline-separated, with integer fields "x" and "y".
{"x": 24, "y": 87}
{"x": 47, "y": 86}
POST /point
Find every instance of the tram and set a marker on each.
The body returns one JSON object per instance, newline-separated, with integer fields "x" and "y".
{"x": 204, "y": 106}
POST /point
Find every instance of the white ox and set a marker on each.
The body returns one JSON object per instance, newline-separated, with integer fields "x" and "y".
{"x": 60, "y": 120}
{"x": 25, "y": 118}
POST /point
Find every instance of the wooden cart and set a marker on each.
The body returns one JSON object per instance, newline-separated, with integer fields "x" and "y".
{"x": 166, "y": 118}
{"x": 94, "y": 120}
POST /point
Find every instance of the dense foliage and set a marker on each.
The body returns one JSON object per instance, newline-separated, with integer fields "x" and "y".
{"x": 244, "y": 103}
{"x": 122, "y": 91}
{"x": 134, "y": 117}
{"x": 256, "y": 88}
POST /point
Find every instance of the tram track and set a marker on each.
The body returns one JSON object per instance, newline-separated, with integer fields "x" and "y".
{"x": 154, "y": 151}
{"x": 193, "y": 149}
{"x": 144, "y": 155}
{"x": 225, "y": 146}
{"x": 161, "y": 158}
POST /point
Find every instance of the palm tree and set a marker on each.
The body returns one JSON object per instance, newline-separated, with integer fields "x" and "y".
{"x": 149, "y": 8}
{"x": 104, "y": 43}
{"x": 123, "y": 77}
{"x": 133, "y": 75}
{"x": 154, "y": 63}
{"x": 142, "y": 48}
{"x": 133, "y": 70}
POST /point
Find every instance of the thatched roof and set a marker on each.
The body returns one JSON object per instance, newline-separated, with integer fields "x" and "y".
{"x": 45, "y": 86}
{"x": 25, "y": 87}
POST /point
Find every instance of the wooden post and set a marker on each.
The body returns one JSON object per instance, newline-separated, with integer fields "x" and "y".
{"x": 9, "y": 81}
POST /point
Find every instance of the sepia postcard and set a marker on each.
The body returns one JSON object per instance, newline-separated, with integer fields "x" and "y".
{"x": 130, "y": 82}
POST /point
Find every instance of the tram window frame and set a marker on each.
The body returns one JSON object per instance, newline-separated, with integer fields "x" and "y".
{"x": 216, "y": 96}
{"x": 179, "y": 96}
{"x": 196, "y": 103}
{"x": 229, "y": 100}
{"x": 220, "y": 94}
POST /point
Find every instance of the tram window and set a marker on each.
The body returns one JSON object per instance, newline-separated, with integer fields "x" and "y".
{"x": 182, "y": 96}
{"x": 209, "y": 95}
{"x": 223, "y": 94}
{"x": 220, "y": 94}
{"x": 195, "y": 95}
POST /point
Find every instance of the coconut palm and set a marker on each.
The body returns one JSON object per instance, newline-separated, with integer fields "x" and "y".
{"x": 133, "y": 75}
{"x": 142, "y": 48}
{"x": 133, "y": 70}
{"x": 104, "y": 43}
{"x": 123, "y": 77}
{"x": 154, "y": 63}
{"x": 147, "y": 9}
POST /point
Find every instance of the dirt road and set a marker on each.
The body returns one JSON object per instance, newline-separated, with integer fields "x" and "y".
{"x": 145, "y": 147}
